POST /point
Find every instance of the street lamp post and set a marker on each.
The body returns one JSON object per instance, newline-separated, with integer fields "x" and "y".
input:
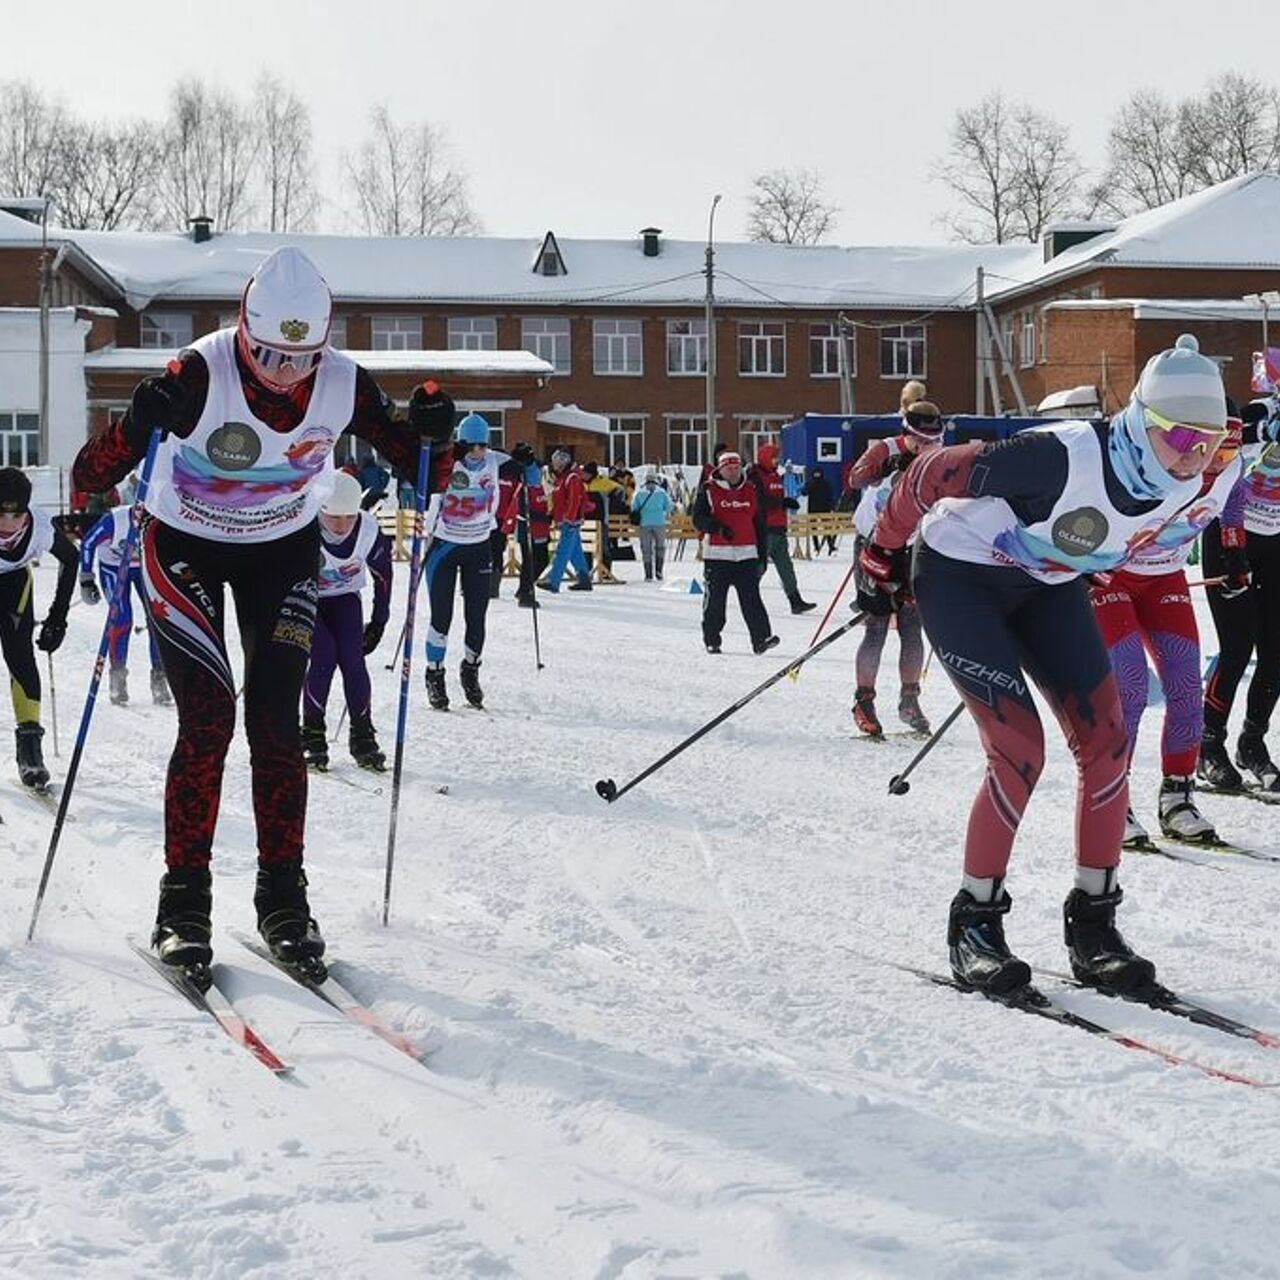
{"x": 709, "y": 322}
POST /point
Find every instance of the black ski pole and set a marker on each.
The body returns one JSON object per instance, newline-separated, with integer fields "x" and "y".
{"x": 898, "y": 784}
{"x": 526, "y": 569}
{"x": 609, "y": 790}
{"x": 118, "y": 598}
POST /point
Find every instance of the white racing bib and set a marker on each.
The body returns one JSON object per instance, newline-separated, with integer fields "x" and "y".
{"x": 346, "y": 575}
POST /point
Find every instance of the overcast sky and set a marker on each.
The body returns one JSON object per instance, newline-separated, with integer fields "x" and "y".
{"x": 596, "y": 118}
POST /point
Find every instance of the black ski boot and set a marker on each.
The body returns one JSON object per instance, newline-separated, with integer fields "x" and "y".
{"x": 315, "y": 745}
{"x": 30, "y": 757}
{"x": 769, "y": 642}
{"x": 160, "y": 694}
{"x": 582, "y": 584}
{"x": 980, "y": 957}
{"x": 364, "y": 745}
{"x": 525, "y": 600}
{"x": 285, "y": 921}
{"x": 184, "y": 923}
{"x": 909, "y": 709}
{"x": 118, "y": 685}
{"x": 1252, "y": 756}
{"x": 1100, "y": 957}
{"x": 1214, "y": 768}
{"x": 800, "y": 606}
{"x": 437, "y": 694}
{"x": 469, "y": 674}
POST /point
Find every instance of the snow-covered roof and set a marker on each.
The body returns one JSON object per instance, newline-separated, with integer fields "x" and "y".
{"x": 1083, "y": 397}
{"x": 1235, "y": 224}
{"x": 500, "y": 363}
{"x": 15, "y": 230}
{"x": 1190, "y": 309}
{"x": 481, "y": 269}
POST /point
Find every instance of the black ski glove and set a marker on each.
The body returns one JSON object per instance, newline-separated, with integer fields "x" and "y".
{"x": 791, "y": 504}
{"x": 158, "y": 403}
{"x": 372, "y": 636}
{"x": 431, "y": 412}
{"x": 52, "y": 633}
{"x": 880, "y": 575}
{"x": 89, "y": 592}
{"x": 1236, "y": 564}
{"x": 524, "y": 455}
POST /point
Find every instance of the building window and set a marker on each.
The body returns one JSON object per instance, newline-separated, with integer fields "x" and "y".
{"x": 686, "y": 347}
{"x": 548, "y": 338}
{"x": 19, "y": 440}
{"x": 828, "y": 448}
{"x": 1006, "y": 337}
{"x": 902, "y": 351}
{"x": 338, "y": 332}
{"x": 397, "y": 333}
{"x": 687, "y": 440}
{"x": 756, "y": 432}
{"x": 165, "y": 329}
{"x": 473, "y": 333}
{"x": 762, "y": 349}
{"x": 496, "y": 418}
{"x": 617, "y": 347}
{"x": 626, "y": 439}
{"x": 1028, "y": 353}
{"x": 824, "y": 352}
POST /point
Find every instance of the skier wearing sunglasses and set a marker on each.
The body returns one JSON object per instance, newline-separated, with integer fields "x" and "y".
{"x": 1007, "y": 532}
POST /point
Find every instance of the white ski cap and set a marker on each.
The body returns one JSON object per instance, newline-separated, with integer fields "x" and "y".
{"x": 1184, "y": 386}
{"x": 346, "y": 496}
{"x": 287, "y": 304}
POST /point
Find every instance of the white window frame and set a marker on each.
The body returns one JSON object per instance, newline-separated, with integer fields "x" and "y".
{"x": 1008, "y": 336}
{"x": 824, "y": 340}
{"x": 759, "y": 343}
{"x": 902, "y": 342}
{"x": 829, "y": 448}
{"x": 19, "y": 438}
{"x": 473, "y": 333}
{"x": 686, "y": 348}
{"x": 626, "y": 439}
{"x": 395, "y": 333}
{"x": 549, "y": 338}
{"x": 163, "y": 330}
{"x": 621, "y": 344}
{"x": 757, "y": 430}
{"x": 338, "y": 332}
{"x": 686, "y": 428}
{"x": 1027, "y": 347}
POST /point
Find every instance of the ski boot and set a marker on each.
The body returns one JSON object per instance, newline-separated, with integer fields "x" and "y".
{"x": 769, "y": 642}
{"x": 800, "y": 606}
{"x": 183, "y": 922}
{"x": 1136, "y": 838}
{"x": 713, "y": 646}
{"x": 1214, "y": 766}
{"x": 469, "y": 674}
{"x": 553, "y": 587}
{"x": 315, "y": 745}
{"x": 1179, "y": 817}
{"x": 437, "y": 694}
{"x": 909, "y": 710}
{"x": 1100, "y": 957}
{"x": 980, "y": 957}
{"x": 582, "y": 584}
{"x": 864, "y": 712}
{"x": 363, "y": 743}
{"x": 118, "y": 684}
{"x": 160, "y": 694}
{"x": 525, "y": 600}
{"x": 31, "y": 768}
{"x": 285, "y": 921}
{"x": 1252, "y": 756}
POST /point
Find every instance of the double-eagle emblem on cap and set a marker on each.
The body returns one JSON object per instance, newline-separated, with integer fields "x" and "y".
{"x": 294, "y": 330}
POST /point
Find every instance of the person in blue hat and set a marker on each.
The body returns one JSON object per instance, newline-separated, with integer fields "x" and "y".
{"x": 460, "y": 519}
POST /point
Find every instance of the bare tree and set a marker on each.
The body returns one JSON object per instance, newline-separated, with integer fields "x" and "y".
{"x": 104, "y": 175}
{"x": 787, "y": 208}
{"x": 1149, "y": 161}
{"x": 404, "y": 183}
{"x": 207, "y": 158}
{"x": 289, "y": 199}
{"x": 1013, "y": 170}
{"x": 1232, "y": 128}
{"x": 30, "y": 130}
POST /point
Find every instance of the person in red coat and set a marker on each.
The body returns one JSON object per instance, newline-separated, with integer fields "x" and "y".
{"x": 568, "y": 506}
{"x": 774, "y": 503}
{"x": 728, "y": 511}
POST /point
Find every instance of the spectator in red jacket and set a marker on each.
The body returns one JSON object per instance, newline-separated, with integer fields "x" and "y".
{"x": 774, "y": 503}
{"x": 568, "y": 505}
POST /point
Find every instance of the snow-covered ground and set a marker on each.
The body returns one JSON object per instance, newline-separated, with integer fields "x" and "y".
{"x": 659, "y": 1044}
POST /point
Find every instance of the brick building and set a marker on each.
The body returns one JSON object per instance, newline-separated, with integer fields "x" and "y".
{"x": 617, "y": 327}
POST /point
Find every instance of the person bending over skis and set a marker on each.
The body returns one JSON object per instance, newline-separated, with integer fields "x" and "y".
{"x": 1006, "y": 531}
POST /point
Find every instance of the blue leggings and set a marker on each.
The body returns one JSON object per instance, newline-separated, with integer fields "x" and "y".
{"x": 446, "y": 561}
{"x": 118, "y": 642}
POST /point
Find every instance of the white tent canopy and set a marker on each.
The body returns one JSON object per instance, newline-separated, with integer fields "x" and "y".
{"x": 1077, "y": 402}
{"x": 569, "y": 415}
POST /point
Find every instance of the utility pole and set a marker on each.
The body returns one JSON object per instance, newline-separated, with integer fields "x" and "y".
{"x": 843, "y": 327}
{"x": 980, "y": 349}
{"x": 44, "y": 334}
{"x": 711, "y": 332}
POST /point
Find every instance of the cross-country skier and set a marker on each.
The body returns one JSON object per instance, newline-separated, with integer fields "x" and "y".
{"x": 1246, "y": 613}
{"x": 1006, "y": 531}
{"x": 1146, "y": 607}
{"x": 875, "y": 473}
{"x": 249, "y": 416}
{"x": 461, "y": 517}
{"x": 105, "y": 543}
{"x": 26, "y": 533}
{"x": 353, "y": 549}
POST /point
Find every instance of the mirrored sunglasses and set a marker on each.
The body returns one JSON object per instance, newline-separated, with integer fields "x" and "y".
{"x": 271, "y": 359}
{"x": 1185, "y": 437}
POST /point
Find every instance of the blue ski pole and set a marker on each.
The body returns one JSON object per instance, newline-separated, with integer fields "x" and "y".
{"x": 86, "y": 717}
{"x": 406, "y": 662}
